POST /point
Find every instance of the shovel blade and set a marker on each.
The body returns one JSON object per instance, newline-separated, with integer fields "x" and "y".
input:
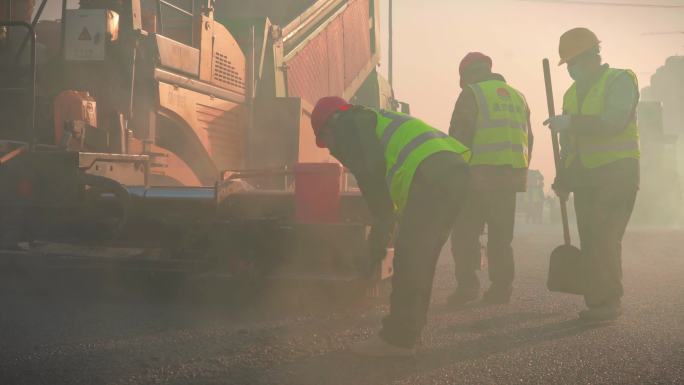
{"x": 566, "y": 270}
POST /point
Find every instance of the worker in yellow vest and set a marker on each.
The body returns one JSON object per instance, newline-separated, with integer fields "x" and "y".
{"x": 600, "y": 154}
{"x": 493, "y": 119}
{"x": 410, "y": 172}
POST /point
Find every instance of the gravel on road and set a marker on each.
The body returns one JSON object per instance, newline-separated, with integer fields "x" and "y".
{"x": 53, "y": 336}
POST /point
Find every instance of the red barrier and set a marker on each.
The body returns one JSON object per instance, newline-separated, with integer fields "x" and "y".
{"x": 317, "y": 192}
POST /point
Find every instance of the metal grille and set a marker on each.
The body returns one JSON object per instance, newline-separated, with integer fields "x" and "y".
{"x": 330, "y": 62}
{"x": 335, "y": 35}
{"x": 308, "y": 75}
{"x": 225, "y": 72}
{"x": 357, "y": 52}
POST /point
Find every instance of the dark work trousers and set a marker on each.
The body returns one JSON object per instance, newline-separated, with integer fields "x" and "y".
{"x": 602, "y": 216}
{"x": 428, "y": 217}
{"x": 497, "y": 210}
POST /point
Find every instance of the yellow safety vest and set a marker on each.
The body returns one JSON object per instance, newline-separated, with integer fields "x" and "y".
{"x": 502, "y": 131}
{"x": 597, "y": 151}
{"x": 408, "y": 141}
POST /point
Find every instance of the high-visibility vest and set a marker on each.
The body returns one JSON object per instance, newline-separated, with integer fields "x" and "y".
{"x": 596, "y": 151}
{"x": 501, "y": 137}
{"x": 408, "y": 141}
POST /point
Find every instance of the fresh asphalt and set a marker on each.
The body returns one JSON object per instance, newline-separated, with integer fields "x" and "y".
{"x": 53, "y": 335}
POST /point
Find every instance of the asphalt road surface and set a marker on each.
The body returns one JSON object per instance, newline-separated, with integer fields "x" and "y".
{"x": 77, "y": 336}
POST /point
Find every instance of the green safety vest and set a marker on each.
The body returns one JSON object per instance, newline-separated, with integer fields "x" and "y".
{"x": 501, "y": 137}
{"x": 596, "y": 151}
{"x": 408, "y": 141}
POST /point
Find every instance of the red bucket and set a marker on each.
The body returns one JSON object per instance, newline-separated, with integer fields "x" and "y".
{"x": 317, "y": 192}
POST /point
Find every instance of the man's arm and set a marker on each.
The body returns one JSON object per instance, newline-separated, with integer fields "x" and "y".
{"x": 464, "y": 118}
{"x": 622, "y": 97}
{"x": 360, "y": 151}
{"x": 374, "y": 187}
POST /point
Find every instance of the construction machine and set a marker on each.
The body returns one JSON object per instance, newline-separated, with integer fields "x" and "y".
{"x": 174, "y": 136}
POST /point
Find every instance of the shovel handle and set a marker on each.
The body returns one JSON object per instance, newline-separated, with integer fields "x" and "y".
{"x": 556, "y": 147}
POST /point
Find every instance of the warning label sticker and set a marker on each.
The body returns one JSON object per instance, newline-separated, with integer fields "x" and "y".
{"x": 84, "y": 32}
{"x": 85, "y": 35}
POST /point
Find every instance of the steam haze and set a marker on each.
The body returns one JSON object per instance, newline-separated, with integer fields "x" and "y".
{"x": 431, "y": 37}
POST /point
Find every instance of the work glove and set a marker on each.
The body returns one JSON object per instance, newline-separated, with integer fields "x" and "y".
{"x": 559, "y": 123}
{"x": 378, "y": 239}
{"x": 377, "y": 255}
{"x": 560, "y": 187}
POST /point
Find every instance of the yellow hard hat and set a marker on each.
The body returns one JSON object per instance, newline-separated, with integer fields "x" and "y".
{"x": 575, "y": 42}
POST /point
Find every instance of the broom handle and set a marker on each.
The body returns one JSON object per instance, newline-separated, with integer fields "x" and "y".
{"x": 556, "y": 148}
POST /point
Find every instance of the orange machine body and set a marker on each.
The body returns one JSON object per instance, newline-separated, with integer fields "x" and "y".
{"x": 73, "y": 106}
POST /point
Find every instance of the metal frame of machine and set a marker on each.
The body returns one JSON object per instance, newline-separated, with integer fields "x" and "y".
{"x": 183, "y": 152}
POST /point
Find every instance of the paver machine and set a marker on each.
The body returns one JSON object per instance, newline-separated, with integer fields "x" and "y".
{"x": 174, "y": 136}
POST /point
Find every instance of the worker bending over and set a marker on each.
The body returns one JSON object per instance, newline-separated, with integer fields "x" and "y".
{"x": 493, "y": 119}
{"x": 409, "y": 171}
{"x": 600, "y": 153}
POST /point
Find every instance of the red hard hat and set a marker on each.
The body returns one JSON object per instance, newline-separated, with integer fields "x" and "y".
{"x": 324, "y": 110}
{"x": 472, "y": 58}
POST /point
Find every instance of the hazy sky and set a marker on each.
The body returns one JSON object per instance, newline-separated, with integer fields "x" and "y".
{"x": 431, "y": 37}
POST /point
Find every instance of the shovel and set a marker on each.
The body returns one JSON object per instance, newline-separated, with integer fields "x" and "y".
{"x": 565, "y": 272}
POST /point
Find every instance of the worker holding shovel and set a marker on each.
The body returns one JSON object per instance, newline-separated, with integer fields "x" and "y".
{"x": 599, "y": 163}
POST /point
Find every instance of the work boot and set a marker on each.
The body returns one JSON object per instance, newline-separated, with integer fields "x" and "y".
{"x": 462, "y": 295}
{"x": 605, "y": 313}
{"x": 468, "y": 290}
{"x": 498, "y": 294}
{"x": 377, "y": 347}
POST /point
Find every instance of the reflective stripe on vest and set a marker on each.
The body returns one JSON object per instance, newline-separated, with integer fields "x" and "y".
{"x": 596, "y": 151}
{"x": 408, "y": 141}
{"x": 502, "y": 127}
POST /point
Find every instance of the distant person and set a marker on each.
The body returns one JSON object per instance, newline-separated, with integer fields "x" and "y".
{"x": 493, "y": 119}
{"x": 535, "y": 194}
{"x": 600, "y": 153}
{"x": 409, "y": 171}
